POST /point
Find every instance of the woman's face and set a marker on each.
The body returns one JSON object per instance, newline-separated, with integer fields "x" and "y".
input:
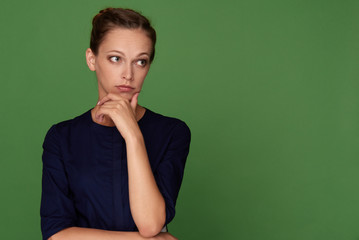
{"x": 122, "y": 62}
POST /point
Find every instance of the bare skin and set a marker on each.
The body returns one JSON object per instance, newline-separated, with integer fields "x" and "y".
{"x": 76, "y": 233}
{"x": 121, "y": 66}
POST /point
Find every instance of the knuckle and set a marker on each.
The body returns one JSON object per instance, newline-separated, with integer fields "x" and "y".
{"x": 117, "y": 111}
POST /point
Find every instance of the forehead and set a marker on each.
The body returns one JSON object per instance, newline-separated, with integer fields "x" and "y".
{"x": 129, "y": 41}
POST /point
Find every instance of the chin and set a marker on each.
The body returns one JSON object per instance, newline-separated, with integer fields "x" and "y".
{"x": 126, "y": 95}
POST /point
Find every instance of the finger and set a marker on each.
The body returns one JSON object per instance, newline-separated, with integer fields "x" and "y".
{"x": 100, "y": 113}
{"x": 107, "y": 98}
{"x": 102, "y": 118}
{"x": 107, "y": 108}
{"x": 99, "y": 116}
{"x": 134, "y": 101}
{"x": 103, "y": 100}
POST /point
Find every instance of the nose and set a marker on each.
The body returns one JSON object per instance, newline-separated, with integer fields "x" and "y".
{"x": 127, "y": 73}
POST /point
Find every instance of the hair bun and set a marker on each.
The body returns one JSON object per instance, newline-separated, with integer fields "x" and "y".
{"x": 110, "y": 18}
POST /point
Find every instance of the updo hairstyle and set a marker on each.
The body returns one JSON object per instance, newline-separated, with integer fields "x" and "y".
{"x": 111, "y": 18}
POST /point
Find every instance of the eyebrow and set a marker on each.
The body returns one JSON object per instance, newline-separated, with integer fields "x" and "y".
{"x": 117, "y": 51}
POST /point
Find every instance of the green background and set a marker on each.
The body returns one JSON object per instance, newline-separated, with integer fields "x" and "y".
{"x": 268, "y": 88}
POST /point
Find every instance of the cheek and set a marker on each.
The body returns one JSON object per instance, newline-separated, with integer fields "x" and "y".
{"x": 142, "y": 73}
{"x": 104, "y": 73}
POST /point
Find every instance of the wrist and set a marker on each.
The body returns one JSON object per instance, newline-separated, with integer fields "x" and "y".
{"x": 134, "y": 137}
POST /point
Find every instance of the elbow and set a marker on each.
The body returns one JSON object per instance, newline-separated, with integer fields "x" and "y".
{"x": 150, "y": 230}
{"x": 151, "y": 225}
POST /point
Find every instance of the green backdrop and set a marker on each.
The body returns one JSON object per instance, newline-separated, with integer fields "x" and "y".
{"x": 268, "y": 88}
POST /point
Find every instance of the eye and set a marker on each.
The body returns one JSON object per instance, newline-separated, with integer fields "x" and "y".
{"x": 141, "y": 62}
{"x": 115, "y": 59}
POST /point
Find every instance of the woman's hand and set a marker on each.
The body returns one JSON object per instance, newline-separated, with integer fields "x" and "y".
{"x": 121, "y": 111}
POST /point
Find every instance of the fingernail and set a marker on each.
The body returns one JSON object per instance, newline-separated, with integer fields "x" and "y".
{"x": 98, "y": 103}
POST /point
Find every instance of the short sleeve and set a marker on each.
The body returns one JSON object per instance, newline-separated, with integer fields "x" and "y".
{"x": 170, "y": 171}
{"x": 57, "y": 208}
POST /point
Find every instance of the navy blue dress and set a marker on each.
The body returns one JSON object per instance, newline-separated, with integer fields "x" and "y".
{"x": 85, "y": 178}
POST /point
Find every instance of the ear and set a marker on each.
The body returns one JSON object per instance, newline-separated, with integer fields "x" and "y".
{"x": 90, "y": 59}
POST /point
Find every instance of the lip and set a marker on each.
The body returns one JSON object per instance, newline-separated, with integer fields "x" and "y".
{"x": 125, "y": 88}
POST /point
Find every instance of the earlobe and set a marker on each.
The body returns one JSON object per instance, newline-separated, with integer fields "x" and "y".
{"x": 90, "y": 59}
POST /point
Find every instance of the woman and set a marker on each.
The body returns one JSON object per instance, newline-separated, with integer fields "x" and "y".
{"x": 114, "y": 172}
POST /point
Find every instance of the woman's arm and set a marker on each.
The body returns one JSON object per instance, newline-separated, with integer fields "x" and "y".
{"x": 76, "y": 233}
{"x": 146, "y": 201}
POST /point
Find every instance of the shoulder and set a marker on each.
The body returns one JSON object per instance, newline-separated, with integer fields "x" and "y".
{"x": 64, "y": 128}
{"x": 78, "y": 121}
{"x": 158, "y": 120}
{"x": 165, "y": 125}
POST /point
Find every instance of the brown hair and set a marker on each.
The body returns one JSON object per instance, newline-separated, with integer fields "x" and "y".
{"x": 110, "y": 18}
